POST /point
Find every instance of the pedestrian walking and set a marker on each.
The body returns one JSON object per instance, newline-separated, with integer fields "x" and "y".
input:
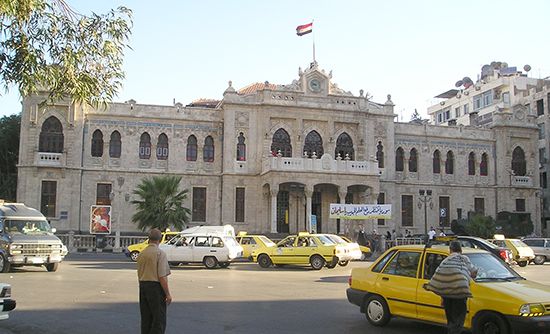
{"x": 154, "y": 295}
{"x": 451, "y": 281}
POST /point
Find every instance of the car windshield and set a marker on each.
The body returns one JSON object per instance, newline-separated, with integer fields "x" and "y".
{"x": 337, "y": 239}
{"x": 267, "y": 241}
{"x": 490, "y": 268}
{"x": 27, "y": 226}
{"x": 518, "y": 243}
{"x": 325, "y": 240}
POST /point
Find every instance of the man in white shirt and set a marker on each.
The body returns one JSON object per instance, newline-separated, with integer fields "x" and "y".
{"x": 431, "y": 234}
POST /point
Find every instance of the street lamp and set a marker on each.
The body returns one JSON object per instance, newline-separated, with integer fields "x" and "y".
{"x": 425, "y": 198}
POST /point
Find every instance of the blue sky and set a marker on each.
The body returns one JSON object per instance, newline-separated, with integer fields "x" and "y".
{"x": 413, "y": 50}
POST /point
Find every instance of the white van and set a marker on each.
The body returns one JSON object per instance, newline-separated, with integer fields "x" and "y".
{"x": 210, "y": 249}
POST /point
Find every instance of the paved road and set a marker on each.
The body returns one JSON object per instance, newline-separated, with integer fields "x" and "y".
{"x": 93, "y": 293}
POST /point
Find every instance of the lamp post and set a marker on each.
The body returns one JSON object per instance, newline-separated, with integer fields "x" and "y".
{"x": 425, "y": 198}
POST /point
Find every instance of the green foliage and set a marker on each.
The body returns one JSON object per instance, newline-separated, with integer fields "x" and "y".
{"x": 160, "y": 204}
{"x": 481, "y": 226}
{"x": 45, "y": 45}
{"x": 9, "y": 152}
{"x": 514, "y": 224}
{"x": 458, "y": 226}
{"x": 416, "y": 118}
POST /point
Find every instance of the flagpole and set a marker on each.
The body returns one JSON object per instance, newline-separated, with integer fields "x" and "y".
{"x": 313, "y": 38}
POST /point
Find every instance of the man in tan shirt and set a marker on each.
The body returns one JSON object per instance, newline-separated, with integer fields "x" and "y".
{"x": 154, "y": 295}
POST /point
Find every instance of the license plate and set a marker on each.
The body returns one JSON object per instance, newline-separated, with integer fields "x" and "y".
{"x": 35, "y": 260}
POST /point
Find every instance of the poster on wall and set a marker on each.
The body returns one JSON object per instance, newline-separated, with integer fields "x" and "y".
{"x": 360, "y": 211}
{"x": 100, "y": 219}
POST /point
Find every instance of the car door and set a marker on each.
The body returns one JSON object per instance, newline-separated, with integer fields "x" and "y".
{"x": 398, "y": 283}
{"x": 286, "y": 251}
{"x": 180, "y": 250}
{"x": 428, "y": 303}
{"x": 304, "y": 248}
{"x": 201, "y": 248}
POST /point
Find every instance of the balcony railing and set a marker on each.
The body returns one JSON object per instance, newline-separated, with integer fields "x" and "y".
{"x": 49, "y": 159}
{"x": 324, "y": 165}
{"x": 522, "y": 181}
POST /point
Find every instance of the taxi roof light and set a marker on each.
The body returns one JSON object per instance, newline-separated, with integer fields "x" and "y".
{"x": 242, "y": 233}
{"x": 499, "y": 237}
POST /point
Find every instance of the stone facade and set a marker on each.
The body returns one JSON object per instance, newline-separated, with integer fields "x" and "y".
{"x": 282, "y": 153}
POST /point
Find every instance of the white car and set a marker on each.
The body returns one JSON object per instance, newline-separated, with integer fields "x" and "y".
{"x": 7, "y": 303}
{"x": 351, "y": 249}
{"x": 210, "y": 249}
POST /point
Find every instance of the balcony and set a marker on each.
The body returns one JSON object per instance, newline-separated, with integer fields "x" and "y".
{"x": 323, "y": 165}
{"x": 49, "y": 159}
{"x": 521, "y": 181}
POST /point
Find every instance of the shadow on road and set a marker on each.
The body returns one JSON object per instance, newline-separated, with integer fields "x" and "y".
{"x": 294, "y": 316}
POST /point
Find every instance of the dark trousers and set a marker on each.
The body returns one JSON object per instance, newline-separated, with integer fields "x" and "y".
{"x": 152, "y": 306}
{"x": 455, "y": 311}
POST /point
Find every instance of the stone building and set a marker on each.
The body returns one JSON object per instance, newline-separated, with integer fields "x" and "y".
{"x": 267, "y": 158}
{"x": 503, "y": 91}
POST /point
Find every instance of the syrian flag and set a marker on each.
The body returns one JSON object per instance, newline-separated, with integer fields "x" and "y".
{"x": 304, "y": 29}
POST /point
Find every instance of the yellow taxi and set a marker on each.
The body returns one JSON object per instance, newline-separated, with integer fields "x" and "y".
{"x": 521, "y": 253}
{"x": 316, "y": 250}
{"x": 503, "y": 301}
{"x": 133, "y": 251}
{"x": 252, "y": 243}
{"x": 365, "y": 251}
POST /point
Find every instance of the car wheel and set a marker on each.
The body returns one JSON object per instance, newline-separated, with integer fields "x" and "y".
{"x": 377, "y": 311}
{"x": 343, "y": 263}
{"x": 173, "y": 264}
{"x": 264, "y": 261}
{"x": 134, "y": 256}
{"x": 490, "y": 323}
{"x": 522, "y": 263}
{"x": 210, "y": 262}
{"x": 52, "y": 266}
{"x": 224, "y": 264}
{"x": 5, "y": 266}
{"x": 317, "y": 262}
{"x": 539, "y": 259}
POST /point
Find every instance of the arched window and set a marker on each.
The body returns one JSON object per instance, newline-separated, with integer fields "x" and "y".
{"x": 380, "y": 154}
{"x": 51, "y": 136}
{"x": 472, "y": 164}
{"x": 399, "y": 157}
{"x": 97, "y": 143}
{"x": 344, "y": 147}
{"x": 413, "y": 161}
{"x": 191, "y": 148}
{"x": 241, "y": 148}
{"x": 208, "y": 149}
{"x": 162, "y": 147}
{"x": 484, "y": 165}
{"x": 145, "y": 146}
{"x": 519, "y": 165}
{"x": 281, "y": 142}
{"x": 115, "y": 145}
{"x": 450, "y": 163}
{"x": 437, "y": 162}
{"x": 313, "y": 143}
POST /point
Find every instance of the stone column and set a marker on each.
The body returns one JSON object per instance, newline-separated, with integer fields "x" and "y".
{"x": 344, "y": 224}
{"x": 274, "y": 192}
{"x": 309, "y": 193}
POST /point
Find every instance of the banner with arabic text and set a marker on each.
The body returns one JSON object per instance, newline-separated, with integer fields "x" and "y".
{"x": 360, "y": 211}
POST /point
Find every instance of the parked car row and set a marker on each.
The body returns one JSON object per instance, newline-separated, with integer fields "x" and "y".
{"x": 213, "y": 247}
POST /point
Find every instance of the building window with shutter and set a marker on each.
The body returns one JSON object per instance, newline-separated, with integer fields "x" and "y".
{"x": 97, "y": 144}
{"x": 239, "y": 205}
{"x": 145, "y": 146}
{"x": 520, "y": 204}
{"x": 479, "y": 205}
{"x": 103, "y": 194}
{"x": 406, "y": 210}
{"x": 199, "y": 204}
{"x": 381, "y": 200}
{"x": 48, "y": 198}
{"x": 115, "y": 145}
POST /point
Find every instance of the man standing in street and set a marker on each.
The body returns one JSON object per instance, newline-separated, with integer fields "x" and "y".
{"x": 451, "y": 281}
{"x": 154, "y": 295}
{"x": 431, "y": 234}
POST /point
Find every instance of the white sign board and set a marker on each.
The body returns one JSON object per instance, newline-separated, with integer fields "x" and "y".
{"x": 360, "y": 211}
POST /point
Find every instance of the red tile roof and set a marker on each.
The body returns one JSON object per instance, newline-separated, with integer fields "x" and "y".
{"x": 253, "y": 88}
{"x": 205, "y": 103}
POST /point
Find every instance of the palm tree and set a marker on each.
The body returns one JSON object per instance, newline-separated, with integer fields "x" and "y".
{"x": 160, "y": 204}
